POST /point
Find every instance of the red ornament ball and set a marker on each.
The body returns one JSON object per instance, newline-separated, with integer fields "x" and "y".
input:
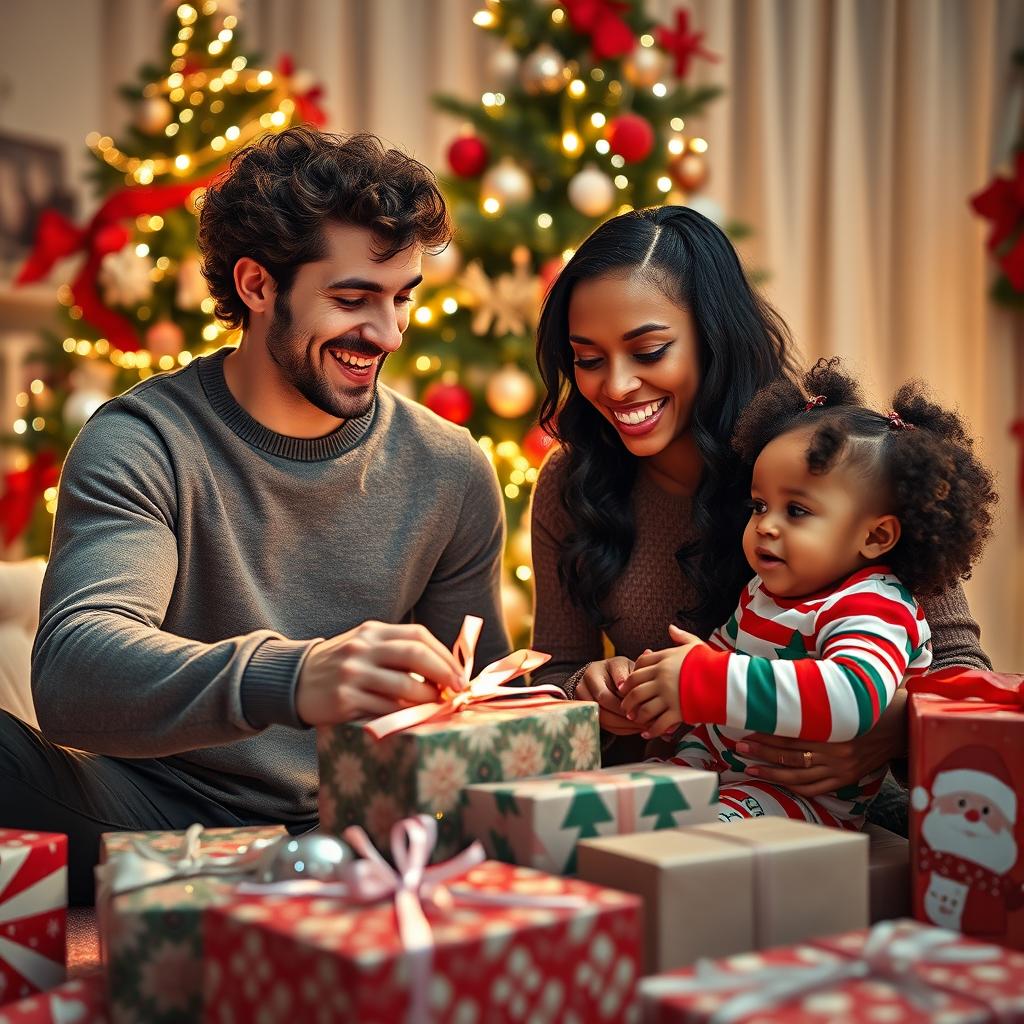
{"x": 536, "y": 444}
{"x": 548, "y": 273}
{"x": 468, "y": 156}
{"x": 631, "y": 137}
{"x": 450, "y": 401}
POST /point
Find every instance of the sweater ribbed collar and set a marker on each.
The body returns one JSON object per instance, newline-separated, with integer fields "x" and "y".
{"x": 301, "y": 449}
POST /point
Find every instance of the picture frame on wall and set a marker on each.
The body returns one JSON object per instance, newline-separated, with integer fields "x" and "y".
{"x": 33, "y": 177}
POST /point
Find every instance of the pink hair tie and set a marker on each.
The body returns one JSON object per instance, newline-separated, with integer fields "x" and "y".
{"x": 814, "y": 403}
{"x": 896, "y": 422}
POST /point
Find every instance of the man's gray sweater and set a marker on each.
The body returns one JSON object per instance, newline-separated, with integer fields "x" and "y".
{"x": 198, "y": 555}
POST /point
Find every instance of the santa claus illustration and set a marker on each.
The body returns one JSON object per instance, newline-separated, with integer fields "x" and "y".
{"x": 967, "y": 844}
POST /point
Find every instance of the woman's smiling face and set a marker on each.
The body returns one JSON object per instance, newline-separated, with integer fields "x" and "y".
{"x": 636, "y": 359}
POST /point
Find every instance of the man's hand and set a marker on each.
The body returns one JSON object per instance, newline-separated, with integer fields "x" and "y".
{"x": 600, "y": 682}
{"x": 368, "y": 671}
{"x": 650, "y": 696}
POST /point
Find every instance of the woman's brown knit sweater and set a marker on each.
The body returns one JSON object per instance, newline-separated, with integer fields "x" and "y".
{"x": 651, "y": 591}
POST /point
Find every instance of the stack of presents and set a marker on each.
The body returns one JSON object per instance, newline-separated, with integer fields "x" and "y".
{"x": 488, "y": 870}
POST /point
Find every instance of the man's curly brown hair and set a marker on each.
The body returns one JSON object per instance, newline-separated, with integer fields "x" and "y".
{"x": 933, "y": 481}
{"x": 273, "y": 201}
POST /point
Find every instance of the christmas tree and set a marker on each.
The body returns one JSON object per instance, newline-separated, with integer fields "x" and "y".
{"x": 585, "y": 117}
{"x": 664, "y": 799}
{"x": 585, "y": 813}
{"x": 138, "y": 304}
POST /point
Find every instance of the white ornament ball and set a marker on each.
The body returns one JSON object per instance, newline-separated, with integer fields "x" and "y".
{"x": 192, "y": 287}
{"x": 508, "y": 183}
{"x": 543, "y": 71}
{"x": 644, "y": 67}
{"x": 441, "y": 267}
{"x": 591, "y": 192}
{"x": 709, "y": 208}
{"x": 503, "y": 66}
{"x": 80, "y": 405}
{"x": 124, "y": 278}
{"x": 154, "y": 114}
{"x": 511, "y": 392}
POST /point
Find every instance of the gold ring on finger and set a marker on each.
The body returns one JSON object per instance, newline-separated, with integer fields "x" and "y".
{"x": 807, "y": 758}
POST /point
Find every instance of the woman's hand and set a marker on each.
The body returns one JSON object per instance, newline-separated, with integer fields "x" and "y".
{"x": 813, "y": 769}
{"x": 600, "y": 682}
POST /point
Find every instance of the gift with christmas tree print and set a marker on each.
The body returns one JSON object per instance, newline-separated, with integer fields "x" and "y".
{"x": 151, "y": 891}
{"x": 420, "y": 760}
{"x": 538, "y": 822}
{"x": 714, "y": 890}
{"x": 967, "y": 774}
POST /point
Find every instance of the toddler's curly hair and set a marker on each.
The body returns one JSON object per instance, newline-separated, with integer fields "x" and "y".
{"x": 920, "y": 456}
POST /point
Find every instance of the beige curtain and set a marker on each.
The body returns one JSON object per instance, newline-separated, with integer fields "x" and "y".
{"x": 850, "y": 136}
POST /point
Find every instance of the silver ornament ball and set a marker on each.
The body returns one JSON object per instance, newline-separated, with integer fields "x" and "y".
{"x": 644, "y": 67}
{"x": 503, "y": 66}
{"x": 507, "y": 182}
{"x": 543, "y": 70}
{"x": 315, "y": 855}
{"x": 591, "y": 192}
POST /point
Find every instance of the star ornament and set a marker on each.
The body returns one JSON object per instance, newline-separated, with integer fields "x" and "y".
{"x": 506, "y": 304}
{"x": 683, "y": 44}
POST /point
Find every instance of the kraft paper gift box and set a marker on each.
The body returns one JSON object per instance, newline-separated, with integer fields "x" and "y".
{"x": 504, "y": 943}
{"x": 537, "y": 822}
{"x": 33, "y": 911}
{"x": 151, "y": 934}
{"x": 900, "y": 972}
{"x": 82, "y": 1001}
{"x": 421, "y": 759}
{"x": 888, "y": 874}
{"x": 967, "y": 777}
{"x": 714, "y": 890}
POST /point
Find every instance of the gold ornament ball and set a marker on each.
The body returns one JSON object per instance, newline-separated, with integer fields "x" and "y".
{"x": 591, "y": 192}
{"x": 503, "y": 66}
{"x": 511, "y": 392}
{"x": 165, "y": 338}
{"x": 508, "y": 183}
{"x": 154, "y": 115}
{"x": 441, "y": 267}
{"x": 515, "y": 609}
{"x": 689, "y": 171}
{"x": 644, "y": 67}
{"x": 543, "y": 71}
{"x": 519, "y": 550}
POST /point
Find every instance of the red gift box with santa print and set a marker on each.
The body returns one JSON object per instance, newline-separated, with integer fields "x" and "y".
{"x": 967, "y": 774}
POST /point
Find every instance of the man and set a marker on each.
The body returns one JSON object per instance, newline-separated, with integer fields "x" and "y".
{"x": 266, "y": 540}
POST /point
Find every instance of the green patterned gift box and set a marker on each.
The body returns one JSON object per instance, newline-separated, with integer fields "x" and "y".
{"x": 537, "y": 822}
{"x": 152, "y": 937}
{"x": 426, "y": 769}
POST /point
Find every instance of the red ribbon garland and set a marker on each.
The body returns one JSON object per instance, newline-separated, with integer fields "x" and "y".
{"x": 57, "y": 237}
{"x": 996, "y": 689}
{"x": 22, "y": 489}
{"x": 683, "y": 44}
{"x": 1002, "y": 203}
{"x": 610, "y": 35}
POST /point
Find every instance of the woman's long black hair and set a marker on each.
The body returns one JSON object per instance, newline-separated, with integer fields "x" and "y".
{"x": 743, "y": 346}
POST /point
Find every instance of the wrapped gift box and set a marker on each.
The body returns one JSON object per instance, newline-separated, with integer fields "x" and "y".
{"x": 967, "y": 777}
{"x": 152, "y": 937}
{"x": 425, "y": 769}
{"x": 537, "y": 822}
{"x": 82, "y": 1001}
{"x": 297, "y": 958}
{"x": 33, "y": 911}
{"x": 888, "y": 874}
{"x": 899, "y": 972}
{"x": 713, "y": 890}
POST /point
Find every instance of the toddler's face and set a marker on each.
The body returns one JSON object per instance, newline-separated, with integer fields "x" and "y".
{"x": 806, "y": 531}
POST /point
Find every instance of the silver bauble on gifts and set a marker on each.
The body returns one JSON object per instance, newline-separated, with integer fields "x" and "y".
{"x": 314, "y": 855}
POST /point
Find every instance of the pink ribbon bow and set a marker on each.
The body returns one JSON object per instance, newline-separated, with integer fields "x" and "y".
{"x": 488, "y": 687}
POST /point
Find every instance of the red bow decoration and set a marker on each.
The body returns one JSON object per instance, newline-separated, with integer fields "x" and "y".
{"x": 610, "y": 36}
{"x": 960, "y": 684}
{"x": 1002, "y": 203}
{"x": 1017, "y": 433}
{"x": 683, "y": 44}
{"x": 307, "y": 103}
{"x": 57, "y": 237}
{"x": 22, "y": 489}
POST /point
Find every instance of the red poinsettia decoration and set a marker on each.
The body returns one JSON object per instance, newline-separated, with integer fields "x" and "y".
{"x": 1002, "y": 203}
{"x": 306, "y": 98}
{"x": 610, "y": 35}
{"x": 683, "y": 44}
{"x": 22, "y": 488}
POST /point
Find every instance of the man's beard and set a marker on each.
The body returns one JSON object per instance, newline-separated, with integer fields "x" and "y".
{"x": 304, "y": 367}
{"x": 944, "y": 833}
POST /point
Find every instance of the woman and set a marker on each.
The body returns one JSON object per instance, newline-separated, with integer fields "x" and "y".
{"x": 651, "y": 342}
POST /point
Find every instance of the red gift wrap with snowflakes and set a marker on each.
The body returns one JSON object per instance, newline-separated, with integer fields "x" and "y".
{"x": 82, "y": 1001}
{"x": 290, "y": 958}
{"x": 33, "y": 911}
